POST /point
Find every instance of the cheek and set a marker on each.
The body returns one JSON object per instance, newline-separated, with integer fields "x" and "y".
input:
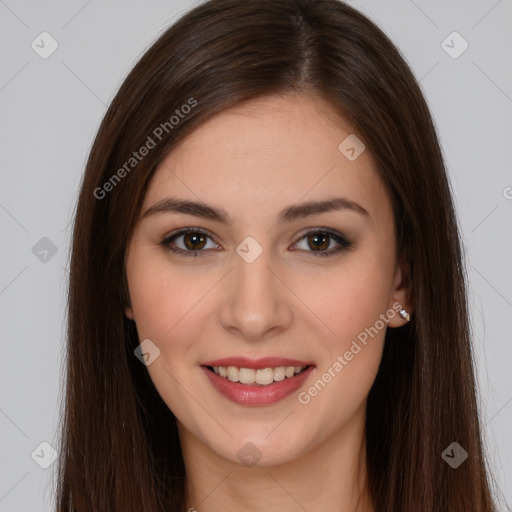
{"x": 351, "y": 307}
{"x": 350, "y": 302}
{"x": 166, "y": 304}
{"x": 162, "y": 297}
{"x": 349, "y": 298}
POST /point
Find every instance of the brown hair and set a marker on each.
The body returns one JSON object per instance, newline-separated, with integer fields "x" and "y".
{"x": 120, "y": 449}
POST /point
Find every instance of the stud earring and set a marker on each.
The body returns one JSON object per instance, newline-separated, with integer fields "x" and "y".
{"x": 403, "y": 313}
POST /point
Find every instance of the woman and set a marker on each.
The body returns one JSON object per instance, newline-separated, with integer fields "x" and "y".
{"x": 267, "y": 305}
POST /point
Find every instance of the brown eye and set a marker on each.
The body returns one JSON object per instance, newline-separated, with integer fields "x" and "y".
{"x": 194, "y": 241}
{"x": 318, "y": 241}
{"x": 189, "y": 242}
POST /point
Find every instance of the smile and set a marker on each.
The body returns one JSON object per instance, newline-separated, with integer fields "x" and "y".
{"x": 257, "y": 386}
{"x": 260, "y": 377}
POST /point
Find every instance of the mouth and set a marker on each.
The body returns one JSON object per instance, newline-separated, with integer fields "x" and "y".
{"x": 257, "y": 377}
{"x": 257, "y": 383}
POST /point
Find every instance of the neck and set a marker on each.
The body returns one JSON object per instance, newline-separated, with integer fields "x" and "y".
{"x": 331, "y": 477}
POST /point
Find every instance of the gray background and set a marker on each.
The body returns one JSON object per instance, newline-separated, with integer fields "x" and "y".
{"x": 51, "y": 108}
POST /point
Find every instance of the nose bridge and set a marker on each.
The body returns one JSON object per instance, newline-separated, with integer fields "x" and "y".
{"x": 256, "y": 301}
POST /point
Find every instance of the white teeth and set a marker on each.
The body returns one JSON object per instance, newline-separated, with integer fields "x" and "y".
{"x": 233, "y": 373}
{"x": 265, "y": 376}
{"x": 279, "y": 373}
{"x": 262, "y": 376}
{"x": 247, "y": 376}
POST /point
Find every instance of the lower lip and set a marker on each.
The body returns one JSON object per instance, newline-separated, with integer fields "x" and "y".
{"x": 248, "y": 394}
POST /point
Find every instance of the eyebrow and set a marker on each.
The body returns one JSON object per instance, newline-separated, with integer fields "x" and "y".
{"x": 289, "y": 214}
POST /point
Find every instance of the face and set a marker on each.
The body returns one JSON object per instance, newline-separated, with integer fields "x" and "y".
{"x": 265, "y": 279}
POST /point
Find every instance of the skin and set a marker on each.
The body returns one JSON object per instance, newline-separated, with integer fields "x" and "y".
{"x": 253, "y": 161}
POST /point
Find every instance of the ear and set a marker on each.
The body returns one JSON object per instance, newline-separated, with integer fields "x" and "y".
{"x": 398, "y": 298}
{"x": 125, "y": 298}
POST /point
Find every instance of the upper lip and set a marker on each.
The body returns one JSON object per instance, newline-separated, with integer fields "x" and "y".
{"x": 256, "y": 364}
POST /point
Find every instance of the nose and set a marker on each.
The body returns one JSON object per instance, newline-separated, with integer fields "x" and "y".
{"x": 257, "y": 301}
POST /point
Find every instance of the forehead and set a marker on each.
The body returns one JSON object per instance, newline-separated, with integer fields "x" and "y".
{"x": 265, "y": 153}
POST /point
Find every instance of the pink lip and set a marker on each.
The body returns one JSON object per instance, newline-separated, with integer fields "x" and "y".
{"x": 247, "y": 394}
{"x": 256, "y": 364}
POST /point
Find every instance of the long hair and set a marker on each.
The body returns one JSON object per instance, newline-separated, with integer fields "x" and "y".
{"x": 119, "y": 445}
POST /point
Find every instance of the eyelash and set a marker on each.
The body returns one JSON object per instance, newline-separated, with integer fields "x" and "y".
{"x": 337, "y": 237}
